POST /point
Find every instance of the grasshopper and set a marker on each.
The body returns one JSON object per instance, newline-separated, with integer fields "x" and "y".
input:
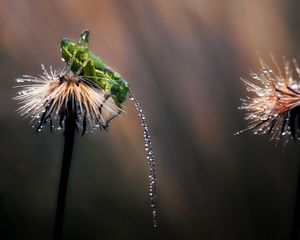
{"x": 84, "y": 63}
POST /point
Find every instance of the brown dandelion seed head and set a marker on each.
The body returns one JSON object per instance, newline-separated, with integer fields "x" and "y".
{"x": 46, "y": 99}
{"x": 273, "y": 106}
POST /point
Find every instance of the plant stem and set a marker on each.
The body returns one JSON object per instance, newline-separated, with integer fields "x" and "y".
{"x": 296, "y": 220}
{"x": 70, "y": 126}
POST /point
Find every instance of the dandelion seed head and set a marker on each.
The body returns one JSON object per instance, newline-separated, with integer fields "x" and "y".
{"x": 273, "y": 104}
{"x": 46, "y": 99}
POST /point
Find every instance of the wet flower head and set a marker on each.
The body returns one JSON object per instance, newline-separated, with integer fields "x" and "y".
{"x": 86, "y": 94}
{"x": 273, "y": 107}
{"x": 51, "y": 97}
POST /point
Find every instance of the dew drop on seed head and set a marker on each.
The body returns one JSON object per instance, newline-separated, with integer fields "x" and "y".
{"x": 260, "y": 92}
{"x": 255, "y": 77}
{"x": 266, "y": 70}
{"x": 150, "y": 158}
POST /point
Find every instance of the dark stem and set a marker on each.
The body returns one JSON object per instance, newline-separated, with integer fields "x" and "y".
{"x": 296, "y": 220}
{"x": 69, "y": 132}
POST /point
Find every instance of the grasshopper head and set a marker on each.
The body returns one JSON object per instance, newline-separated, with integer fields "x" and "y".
{"x": 75, "y": 54}
{"x": 66, "y": 49}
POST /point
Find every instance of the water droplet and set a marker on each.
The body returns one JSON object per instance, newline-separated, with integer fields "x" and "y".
{"x": 256, "y": 77}
{"x": 280, "y": 84}
{"x": 266, "y": 70}
{"x": 264, "y": 117}
{"x": 294, "y": 86}
{"x": 284, "y": 133}
{"x": 260, "y": 92}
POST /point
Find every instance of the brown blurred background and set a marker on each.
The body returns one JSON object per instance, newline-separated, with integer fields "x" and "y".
{"x": 183, "y": 59}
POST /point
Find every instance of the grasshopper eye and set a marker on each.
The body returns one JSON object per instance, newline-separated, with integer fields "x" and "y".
{"x": 65, "y": 42}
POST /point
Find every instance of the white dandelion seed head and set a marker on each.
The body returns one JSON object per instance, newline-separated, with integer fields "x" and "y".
{"x": 46, "y": 99}
{"x": 273, "y": 104}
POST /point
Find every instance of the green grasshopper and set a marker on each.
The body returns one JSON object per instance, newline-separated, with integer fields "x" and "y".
{"x": 84, "y": 63}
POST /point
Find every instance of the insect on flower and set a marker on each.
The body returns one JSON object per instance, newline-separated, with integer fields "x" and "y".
{"x": 96, "y": 93}
{"x": 87, "y": 90}
{"x": 275, "y": 105}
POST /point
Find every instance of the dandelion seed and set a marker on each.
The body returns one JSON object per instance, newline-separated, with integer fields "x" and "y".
{"x": 48, "y": 97}
{"x": 274, "y": 104}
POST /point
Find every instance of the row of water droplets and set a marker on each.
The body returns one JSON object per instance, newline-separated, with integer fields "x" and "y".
{"x": 150, "y": 158}
{"x": 24, "y": 95}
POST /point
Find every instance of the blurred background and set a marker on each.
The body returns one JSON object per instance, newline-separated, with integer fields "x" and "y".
{"x": 183, "y": 60}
